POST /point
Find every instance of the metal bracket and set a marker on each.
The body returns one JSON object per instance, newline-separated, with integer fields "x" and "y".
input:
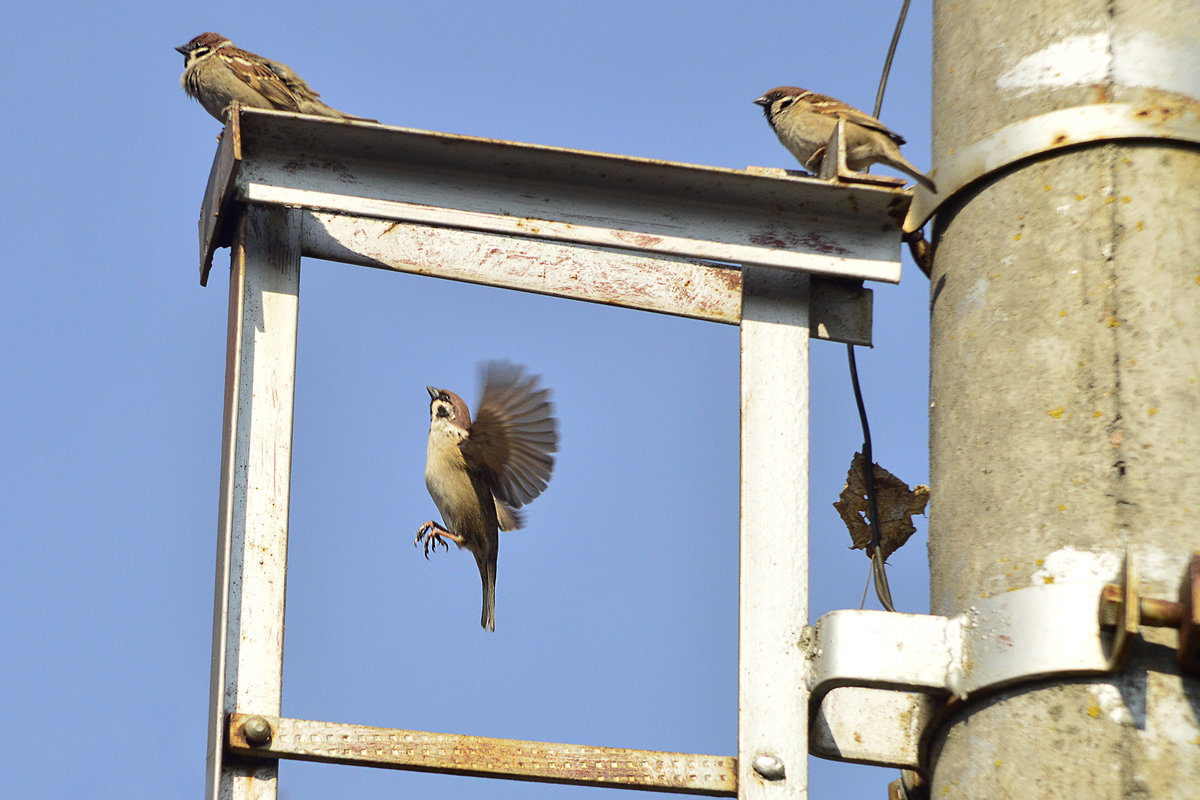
{"x": 829, "y": 163}
{"x": 1047, "y": 133}
{"x": 878, "y": 679}
{"x": 1124, "y": 609}
{"x": 922, "y": 660}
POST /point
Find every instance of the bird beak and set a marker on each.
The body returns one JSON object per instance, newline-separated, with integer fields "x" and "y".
{"x": 182, "y": 49}
{"x": 433, "y": 393}
{"x": 762, "y": 101}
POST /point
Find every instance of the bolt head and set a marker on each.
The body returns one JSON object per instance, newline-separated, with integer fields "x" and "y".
{"x": 257, "y": 731}
{"x": 769, "y": 767}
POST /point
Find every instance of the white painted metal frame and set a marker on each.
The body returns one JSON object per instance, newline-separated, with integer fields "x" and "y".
{"x": 773, "y": 556}
{"x": 778, "y": 255}
{"x": 256, "y": 457}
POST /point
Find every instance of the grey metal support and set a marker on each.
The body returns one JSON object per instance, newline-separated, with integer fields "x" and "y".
{"x": 256, "y": 451}
{"x": 773, "y": 574}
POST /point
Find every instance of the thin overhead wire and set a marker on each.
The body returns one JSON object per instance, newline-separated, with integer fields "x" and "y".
{"x": 887, "y": 62}
{"x": 878, "y": 569}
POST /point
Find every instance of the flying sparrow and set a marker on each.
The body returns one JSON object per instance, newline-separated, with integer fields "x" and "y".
{"x": 479, "y": 473}
{"x": 805, "y": 120}
{"x": 216, "y": 73}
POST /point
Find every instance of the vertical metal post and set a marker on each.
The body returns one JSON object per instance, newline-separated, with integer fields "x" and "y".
{"x": 256, "y": 451}
{"x": 1065, "y": 381}
{"x": 773, "y": 574}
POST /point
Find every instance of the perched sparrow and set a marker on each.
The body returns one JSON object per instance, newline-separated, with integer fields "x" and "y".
{"x": 478, "y": 473}
{"x": 805, "y": 120}
{"x": 216, "y": 73}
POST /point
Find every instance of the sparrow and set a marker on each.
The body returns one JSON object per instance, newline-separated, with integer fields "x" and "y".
{"x": 804, "y": 122}
{"x": 480, "y": 472}
{"x": 216, "y": 73}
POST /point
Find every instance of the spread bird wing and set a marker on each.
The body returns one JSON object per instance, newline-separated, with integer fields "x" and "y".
{"x": 514, "y": 435}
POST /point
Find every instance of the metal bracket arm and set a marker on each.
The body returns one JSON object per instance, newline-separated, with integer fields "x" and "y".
{"x": 1047, "y": 133}
{"x": 1032, "y": 633}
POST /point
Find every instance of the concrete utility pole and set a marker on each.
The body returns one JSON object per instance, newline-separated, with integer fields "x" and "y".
{"x": 1065, "y": 372}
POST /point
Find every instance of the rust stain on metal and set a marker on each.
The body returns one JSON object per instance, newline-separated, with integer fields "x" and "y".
{"x": 636, "y": 239}
{"x": 791, "y": 240}
{"x": 296, "y": 166}
{"x": 1159, "y": 106}
{"x": 730, "y": 279}
{"x": 486, "y": 757}
{"x": 531, "y": 225}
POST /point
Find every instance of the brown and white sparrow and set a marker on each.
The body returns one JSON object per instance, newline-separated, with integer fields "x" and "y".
{"x": 804, "y": 122}
{"x": 216, "y": 73}
{"x": 479, "y": 473}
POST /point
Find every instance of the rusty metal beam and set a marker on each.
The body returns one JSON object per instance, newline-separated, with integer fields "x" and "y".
{"x": 841, "y": 309}
{"x": 478, "y": 756}
{"x": 533, "y": 192}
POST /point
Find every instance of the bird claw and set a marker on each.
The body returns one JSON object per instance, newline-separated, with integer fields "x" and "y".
{"x": 431, "y": 535}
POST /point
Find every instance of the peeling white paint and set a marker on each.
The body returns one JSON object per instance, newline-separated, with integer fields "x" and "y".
{"x": 1152, "y": 61}
{"x": 974, "y": 298}
{"x": 1159, "y": 570}
{"x": 1068, "y": 565}
{"x": 1138, "y": 59}
{"x": 1073, "y": 61}
{"x": 1112, "y": 703}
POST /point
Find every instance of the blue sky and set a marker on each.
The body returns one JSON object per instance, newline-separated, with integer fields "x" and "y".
{"x": 616, "y": 606}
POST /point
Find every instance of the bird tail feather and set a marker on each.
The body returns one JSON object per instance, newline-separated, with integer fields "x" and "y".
{"x": 487, "y": 574}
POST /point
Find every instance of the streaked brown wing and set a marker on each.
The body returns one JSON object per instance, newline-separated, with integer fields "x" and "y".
{"x": 254, "y": 71}
{"x": 297, "y": 85}
{"x": 514, "y": 434}
{"x": 852, "y": 114}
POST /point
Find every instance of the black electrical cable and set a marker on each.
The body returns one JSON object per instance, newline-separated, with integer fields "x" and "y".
{"x": 882, "y": 590}
{"x": 887, "y": 63}
{"x": 878, "y": 571}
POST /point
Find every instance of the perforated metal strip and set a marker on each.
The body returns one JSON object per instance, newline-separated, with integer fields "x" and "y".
{"x": 479, "y": 756}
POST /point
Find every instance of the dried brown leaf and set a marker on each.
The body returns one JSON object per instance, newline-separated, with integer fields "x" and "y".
{"x": 896, "y": 502}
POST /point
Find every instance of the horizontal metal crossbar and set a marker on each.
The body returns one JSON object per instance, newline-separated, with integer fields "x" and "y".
{"x": 420, "y": 751}
{"x": 532, "y": 192}
{"x": 840, "y": 309}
